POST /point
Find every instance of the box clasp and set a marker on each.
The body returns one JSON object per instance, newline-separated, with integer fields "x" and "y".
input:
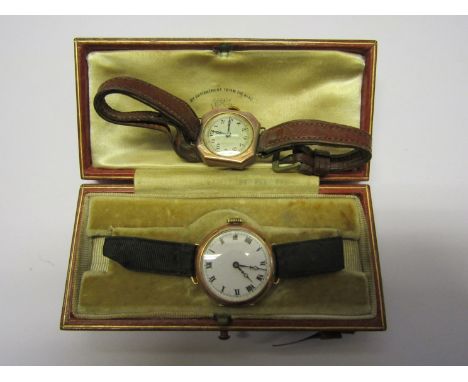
{"x": 223, "y": 320}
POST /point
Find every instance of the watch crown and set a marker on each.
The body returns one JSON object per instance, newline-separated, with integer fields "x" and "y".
{"x": 234, "y": 221}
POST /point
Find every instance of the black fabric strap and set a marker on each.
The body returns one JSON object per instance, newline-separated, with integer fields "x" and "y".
{"x": 154, "y": 256}
{"x": 306, "y": 258}
{"x": 298, "y": 259}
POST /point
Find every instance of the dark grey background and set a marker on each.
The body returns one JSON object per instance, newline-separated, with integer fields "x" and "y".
{"x": 418, "y": 179}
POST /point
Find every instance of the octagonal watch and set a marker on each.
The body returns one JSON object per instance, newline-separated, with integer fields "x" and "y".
{"x": 228, "y": 138}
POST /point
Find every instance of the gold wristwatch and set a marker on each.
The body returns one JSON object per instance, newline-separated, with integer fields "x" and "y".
{"x": 234, "y": 264}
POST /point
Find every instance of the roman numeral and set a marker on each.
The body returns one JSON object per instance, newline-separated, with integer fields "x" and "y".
{"x": 222, "y": 289}
{"x": 221, "y": 240}
{"x": 234, "y": 237}
{"x": 211, "y": 251}
{"x": 260, "y": 277}
{"x": 248, "y": 239}
{"x": 263, "y": 262}
{"x": 258, "y": 249}
{"x": 211, "y": 279}
{"x": 237, "y": 292}
{"x": 208, "y": 265}
{"x": 250, "y": 288}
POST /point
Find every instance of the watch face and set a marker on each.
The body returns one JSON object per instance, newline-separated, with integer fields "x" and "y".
{"x": 235, "y": 265}
{"x": 228, "y": 134}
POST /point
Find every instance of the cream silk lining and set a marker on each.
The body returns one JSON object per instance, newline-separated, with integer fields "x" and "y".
{"x": 276, "y": 86}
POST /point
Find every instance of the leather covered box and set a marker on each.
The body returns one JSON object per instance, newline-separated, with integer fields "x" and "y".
{"x": 145, "y": 190}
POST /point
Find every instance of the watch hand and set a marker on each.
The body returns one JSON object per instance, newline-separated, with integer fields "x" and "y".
{"x": 252, "y": 267}
{"x": 229, "y": 129}
{"x": 217, "y": 131}
{"x": 236, "y": 265}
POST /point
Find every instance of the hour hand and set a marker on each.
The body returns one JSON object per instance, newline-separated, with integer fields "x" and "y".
{"x": 229, "y": 129}
{"x": 236, "y": 265}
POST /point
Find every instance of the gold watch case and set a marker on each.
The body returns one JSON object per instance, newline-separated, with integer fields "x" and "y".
{"x": 244, "y": 159}
{"x": 234, "y": 225}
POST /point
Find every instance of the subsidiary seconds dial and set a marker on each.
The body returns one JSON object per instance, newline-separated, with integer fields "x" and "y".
{"x": 235, "y": 265}
{"x": 228, "y": 135}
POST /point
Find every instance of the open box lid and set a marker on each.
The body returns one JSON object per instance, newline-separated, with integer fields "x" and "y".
{"x": 276, "y": 80}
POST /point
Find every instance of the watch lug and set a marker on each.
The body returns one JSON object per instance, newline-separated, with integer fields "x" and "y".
{"x": 194, "y": 280}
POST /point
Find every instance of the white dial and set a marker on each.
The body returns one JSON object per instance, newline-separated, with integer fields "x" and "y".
{"x": 235, "y": 265}
{"x": 228, "y": 135}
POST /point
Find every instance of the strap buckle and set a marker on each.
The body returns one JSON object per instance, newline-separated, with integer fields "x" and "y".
{"x": 303, "y": 159}
{"x": 283, "y": 164}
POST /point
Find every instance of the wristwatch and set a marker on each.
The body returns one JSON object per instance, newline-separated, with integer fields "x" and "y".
{"x": 233, "y": 138}
{"x": 233, "y": 264}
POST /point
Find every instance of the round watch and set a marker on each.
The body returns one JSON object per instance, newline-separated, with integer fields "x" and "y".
{"x": 232, "y": 138}
{"x": 233, "y": 264}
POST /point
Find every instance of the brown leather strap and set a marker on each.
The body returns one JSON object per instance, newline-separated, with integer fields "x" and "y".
{"x": 298, "y": 135}
{"x": 169, "y": 111}
{"x": 294, "y": 135}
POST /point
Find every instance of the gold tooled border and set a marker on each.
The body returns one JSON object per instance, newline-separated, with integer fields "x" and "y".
{"x": 376, "y": 258}
{"x": 66, "y": 309}
{"x": 78, "y": 109}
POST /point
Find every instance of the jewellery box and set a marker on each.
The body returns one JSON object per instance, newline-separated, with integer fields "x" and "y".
{"x": 147, "y": 196}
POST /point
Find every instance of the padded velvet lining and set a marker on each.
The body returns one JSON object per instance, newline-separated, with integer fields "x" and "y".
{"x": 105, "y": 289}
{"x": 222, "y": 182}
{"x": 275, "y": 85}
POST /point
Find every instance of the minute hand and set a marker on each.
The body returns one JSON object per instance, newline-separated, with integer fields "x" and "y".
{"x": 252, "y": 267}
